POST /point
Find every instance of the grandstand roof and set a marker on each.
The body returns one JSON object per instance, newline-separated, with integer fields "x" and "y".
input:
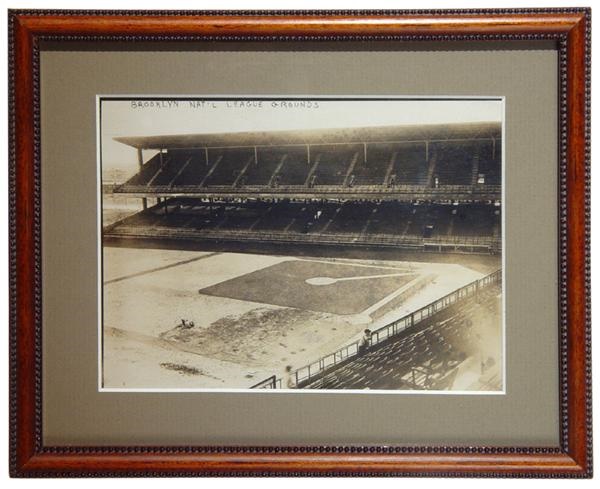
{"x": 320, "y": 136}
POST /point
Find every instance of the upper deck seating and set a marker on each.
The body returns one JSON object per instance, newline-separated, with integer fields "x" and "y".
{"x": 454, "y": 163}
{"x": 261, "y": 172}
{"x": 147, "y": 172}
{"x": 373, "y": 171}
{"x": 227, "y": 170}
{"x": 490, "y": 164}
{"x": 376, "y": 167}
{"x": 411, "y": 165}
{"x": 173, "y": 162}
{"x": 333, "y": 166}
{"x": 294, "y": 170}
{"x": 194, "y": 171}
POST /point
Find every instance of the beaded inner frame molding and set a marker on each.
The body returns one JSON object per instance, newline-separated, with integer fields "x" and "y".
{"x": 569, "y": 28}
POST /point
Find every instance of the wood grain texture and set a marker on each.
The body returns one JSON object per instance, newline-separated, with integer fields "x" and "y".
{"x": 577, "y": 237}
{"x": 569, "y": 27}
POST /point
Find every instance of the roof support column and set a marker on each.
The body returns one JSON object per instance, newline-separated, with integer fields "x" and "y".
{"x": 141, "y": 164}
{"x": 160, "y": 155}
{"x": 308, "y": 154}
{"x": 140, "y": 158}
{"x": 365, "y": 153}
{"x": 426, "y": 150}
{"x": 206, "y": 155}
{"x": 255, "y": 156}
{"x": 493, "y": 147}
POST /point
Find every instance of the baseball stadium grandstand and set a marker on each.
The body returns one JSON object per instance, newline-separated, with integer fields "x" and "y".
{"x": 406, "y": 222}
{"x": 427, "y": 188}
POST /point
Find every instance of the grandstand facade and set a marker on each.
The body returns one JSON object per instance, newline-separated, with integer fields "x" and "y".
{"x": 426, "y": 188}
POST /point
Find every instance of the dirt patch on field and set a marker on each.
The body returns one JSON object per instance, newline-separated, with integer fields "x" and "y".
{"x": 182, "y": 369}
{"x": 247, "y": 337}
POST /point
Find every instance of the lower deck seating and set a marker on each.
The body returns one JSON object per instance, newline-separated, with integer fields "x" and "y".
{"x": 474, "y": 220}
{"x": 368, "y": 220}
{"x": 352, "y": 217}
{"x": 390, "y": 218}
{"x": 490, "y": 163}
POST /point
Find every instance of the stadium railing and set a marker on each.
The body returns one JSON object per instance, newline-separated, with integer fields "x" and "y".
{"x": 420, "y": 190}
{"x": 269, "y": 383}
{"x": 308, "y": 373}
{"x": 156, "y": 231}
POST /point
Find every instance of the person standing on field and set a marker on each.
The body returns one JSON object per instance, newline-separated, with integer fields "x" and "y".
{"x": 288, "y": 380}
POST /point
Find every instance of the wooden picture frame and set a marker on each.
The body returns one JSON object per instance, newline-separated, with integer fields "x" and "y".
{"x": 569, "y": 28}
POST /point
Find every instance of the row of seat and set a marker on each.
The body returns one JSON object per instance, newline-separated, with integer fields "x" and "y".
{"x": 386, "y": 218}
{"x": 447, "y": 163}
{"x": 421, "y": 357}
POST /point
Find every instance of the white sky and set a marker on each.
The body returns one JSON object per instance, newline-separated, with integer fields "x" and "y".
{"x": 127, "y": 118}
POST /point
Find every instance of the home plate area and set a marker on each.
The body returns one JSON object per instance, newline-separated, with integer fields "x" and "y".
{"x": 330, "y": 287}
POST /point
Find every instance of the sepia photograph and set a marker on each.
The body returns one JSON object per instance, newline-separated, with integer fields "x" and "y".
{"x": 348, "y": 244}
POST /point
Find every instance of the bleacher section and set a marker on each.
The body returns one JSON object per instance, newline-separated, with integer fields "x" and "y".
{"x": 425, "y": 356}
